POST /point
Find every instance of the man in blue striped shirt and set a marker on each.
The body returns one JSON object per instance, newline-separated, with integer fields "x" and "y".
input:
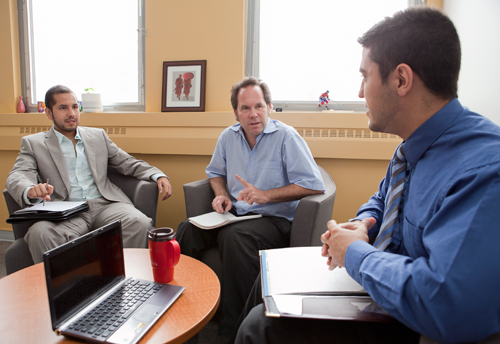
{"x": 440, "y": 271}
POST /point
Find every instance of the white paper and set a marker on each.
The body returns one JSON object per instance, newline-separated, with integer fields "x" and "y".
{"x": 292, "y": 304}
{"x": 50, "y": 206}
{"x": 214, "y": 219}
{"x": 304, "y": 270}
{"x": 289, "y": 304}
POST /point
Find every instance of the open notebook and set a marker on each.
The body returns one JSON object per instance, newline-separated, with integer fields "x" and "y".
{"x": 296, "y": 283}
{"x": 214, "y": 219}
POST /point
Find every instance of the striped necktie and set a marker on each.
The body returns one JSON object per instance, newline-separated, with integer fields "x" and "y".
{"x": 392, "y": 200}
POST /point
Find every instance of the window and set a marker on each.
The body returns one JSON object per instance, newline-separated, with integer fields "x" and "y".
{"x": 304, "y": 48}
{"x": 83, "y": 44}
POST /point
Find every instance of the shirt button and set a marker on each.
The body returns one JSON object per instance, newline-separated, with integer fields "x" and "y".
{"x": 250, "y": 174}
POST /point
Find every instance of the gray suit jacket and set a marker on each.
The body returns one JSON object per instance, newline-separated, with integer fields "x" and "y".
{"x": 41, "y": 158}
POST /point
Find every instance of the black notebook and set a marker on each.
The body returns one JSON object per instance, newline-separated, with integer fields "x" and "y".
{"x": 89, "y": 296}
{"x": 50, "y": 211}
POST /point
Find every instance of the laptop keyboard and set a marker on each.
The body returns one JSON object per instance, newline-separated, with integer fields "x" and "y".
{"x": 107, "y": 317}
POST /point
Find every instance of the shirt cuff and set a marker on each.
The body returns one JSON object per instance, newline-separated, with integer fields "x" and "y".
{"x": 354, "y": 256}
{"x": 27, "y": 200}
{"x": 362, "y": 216}
{"x": 158, "y": 175}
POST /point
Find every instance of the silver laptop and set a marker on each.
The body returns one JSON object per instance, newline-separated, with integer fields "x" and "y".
{"x": 89, "y": 296}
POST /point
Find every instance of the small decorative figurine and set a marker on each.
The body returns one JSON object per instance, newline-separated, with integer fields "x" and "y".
{"x": 40, "y": 106}
{"x": 20, "y": 106}
{"x": 324, "y": 99}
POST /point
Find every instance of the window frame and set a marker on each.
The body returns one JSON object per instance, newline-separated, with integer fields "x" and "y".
{"x": 28, "y": 73}
{"x": 252, "y": 65}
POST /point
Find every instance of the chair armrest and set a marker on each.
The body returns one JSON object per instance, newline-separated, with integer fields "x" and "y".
{"x": 198, "y": 196}
{"x": 21, "y": 228}
{"x": 142, "y": 193}
{"x": 312, "y": 214}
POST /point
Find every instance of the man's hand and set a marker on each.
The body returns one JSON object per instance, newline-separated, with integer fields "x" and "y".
{"x": 337, "y": 239}
{"x": 251, "y": 194}
{"x": 222, "y": 204}
{"x": 164, "y": 187}
{"x": 41, "y": 191}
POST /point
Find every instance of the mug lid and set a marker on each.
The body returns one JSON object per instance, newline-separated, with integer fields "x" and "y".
{"x": 161, "y": 234}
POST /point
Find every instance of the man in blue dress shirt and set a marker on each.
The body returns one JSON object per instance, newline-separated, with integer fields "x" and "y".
{"x": 267, "y": 168}
{"x": 434, "y": 266}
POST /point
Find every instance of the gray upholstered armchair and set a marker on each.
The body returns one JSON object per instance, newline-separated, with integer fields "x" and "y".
{"x": 144, "y": 195}
{"x": 311, "y": 216}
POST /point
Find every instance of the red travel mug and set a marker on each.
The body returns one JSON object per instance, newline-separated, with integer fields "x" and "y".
{"x": 165, "y": 253}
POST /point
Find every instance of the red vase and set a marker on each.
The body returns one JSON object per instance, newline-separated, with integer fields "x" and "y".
{"x": 20, "y": 106}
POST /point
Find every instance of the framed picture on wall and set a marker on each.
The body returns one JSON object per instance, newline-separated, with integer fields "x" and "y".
{"x": 183, "y": 86}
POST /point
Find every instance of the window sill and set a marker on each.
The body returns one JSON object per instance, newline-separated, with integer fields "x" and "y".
{"x": 329, "y": 135}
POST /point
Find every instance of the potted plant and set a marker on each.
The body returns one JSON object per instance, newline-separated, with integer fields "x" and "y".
{"x": 91, "y": 102}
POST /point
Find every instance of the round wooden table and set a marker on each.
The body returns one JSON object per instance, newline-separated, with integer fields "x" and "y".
{"x": 25, "y": 314}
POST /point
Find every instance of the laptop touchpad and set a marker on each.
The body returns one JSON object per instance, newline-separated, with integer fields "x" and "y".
{"x": 147, "y": 313}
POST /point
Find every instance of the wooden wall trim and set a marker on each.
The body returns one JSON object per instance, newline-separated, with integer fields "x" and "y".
{"x": 329, "y": 135}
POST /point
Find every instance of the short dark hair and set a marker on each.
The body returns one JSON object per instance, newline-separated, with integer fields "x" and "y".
{"x": 249, "y": 81}
{"x": 423, "y": 38}
{"x": 58, "y": 89}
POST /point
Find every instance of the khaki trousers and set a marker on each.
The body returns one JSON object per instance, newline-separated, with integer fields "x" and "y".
{"x": 46, "y": 235}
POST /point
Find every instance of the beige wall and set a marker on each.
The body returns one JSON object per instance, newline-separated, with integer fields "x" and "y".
{"x": 181, "y": 143}
{"x": 215, "y": 32}
{"x": 10, "y": 86}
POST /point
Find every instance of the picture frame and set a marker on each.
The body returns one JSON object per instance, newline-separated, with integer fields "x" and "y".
{"x": 183, "y": 87}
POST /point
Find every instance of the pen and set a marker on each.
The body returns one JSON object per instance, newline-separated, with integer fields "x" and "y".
{"x": 47, "y": 186}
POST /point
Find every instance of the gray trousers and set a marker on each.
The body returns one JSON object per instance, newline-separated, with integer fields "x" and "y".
{"x": 46, "y": 235}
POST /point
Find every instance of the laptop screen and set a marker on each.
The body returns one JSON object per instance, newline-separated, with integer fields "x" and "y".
{"x": 79, "y": 271}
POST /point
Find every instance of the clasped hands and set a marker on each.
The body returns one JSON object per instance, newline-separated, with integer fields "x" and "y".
{"x": 250, "y": 194}
{"x": 338, "y": 237}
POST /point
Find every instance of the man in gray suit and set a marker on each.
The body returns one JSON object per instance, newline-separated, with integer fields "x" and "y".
{"x": 70, "y": 163}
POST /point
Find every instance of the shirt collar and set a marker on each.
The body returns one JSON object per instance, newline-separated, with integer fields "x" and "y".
{"x": 425, "y": 135}
{"x": 270, "y": 127}
{"x": 61, "y": 137}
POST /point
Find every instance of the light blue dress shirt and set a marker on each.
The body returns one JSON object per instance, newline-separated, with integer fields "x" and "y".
{"x": 440, "y": 274}
{"x": 82, "y": 183}
{"x": 279, "y": 158}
